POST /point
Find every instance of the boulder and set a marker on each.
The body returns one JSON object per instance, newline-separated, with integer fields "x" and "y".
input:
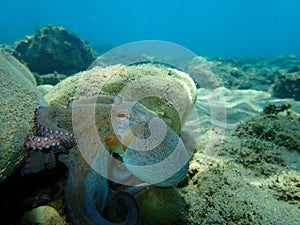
{"x": 168, "y": 92}
{"x": 52, "y": 48}
{"x": 18, "y": 98}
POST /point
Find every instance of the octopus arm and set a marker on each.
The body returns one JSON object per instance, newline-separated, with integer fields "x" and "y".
{"x": 85, "y": 202}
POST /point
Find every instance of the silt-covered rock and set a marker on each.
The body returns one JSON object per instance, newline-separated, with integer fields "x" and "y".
{"x": 52, "y": 48}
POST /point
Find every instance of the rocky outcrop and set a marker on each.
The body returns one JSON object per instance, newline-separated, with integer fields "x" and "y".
{"x": 53, "y": 48}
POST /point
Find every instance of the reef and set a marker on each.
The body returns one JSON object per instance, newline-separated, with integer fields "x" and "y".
{"x": 52, "y": 48}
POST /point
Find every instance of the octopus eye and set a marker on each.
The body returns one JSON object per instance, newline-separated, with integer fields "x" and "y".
{"x": 123, "y": 115}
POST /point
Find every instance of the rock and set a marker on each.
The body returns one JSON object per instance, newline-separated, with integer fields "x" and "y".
{"x": 43, "y": 215}
{"x": 44, "y": 89}
{"x": 18, "y": 98}
{"x": 162, "y": 206}
{"x": 254, "y": 179}
{"x": 286, "y": 185}
{"x": 51, "y": 78}
{"x": 266, "y": 139}
{"x": 223, "y": 194}
{"x": 287, "y": 86}
{"x": 53, "y": 48}
{"x": 168, "y": 92}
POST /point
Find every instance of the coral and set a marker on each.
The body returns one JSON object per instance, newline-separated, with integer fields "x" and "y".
{"x": 53, "y": 48}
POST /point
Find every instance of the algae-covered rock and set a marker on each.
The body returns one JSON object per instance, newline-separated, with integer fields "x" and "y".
{"x": 53, "y": 48}
{"x": 263, "y": 142}
{"x": 287, "y": 86}
{"x": 286, "y": 185}
{"x": 168, "y": 92}
{"x": 223, "y": 195}
{"x": 18, "y": 98}
{"x": 43, "y": 215}
{"x": 254, "y": 179}
{"x": 50, "y": 79}
{"x": 162, "y": 206}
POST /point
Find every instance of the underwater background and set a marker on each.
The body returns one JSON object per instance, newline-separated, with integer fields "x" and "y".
{"x": 247, "y": 28}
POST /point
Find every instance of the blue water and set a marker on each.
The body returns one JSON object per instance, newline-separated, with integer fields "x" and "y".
{"x": 242, "y": 28}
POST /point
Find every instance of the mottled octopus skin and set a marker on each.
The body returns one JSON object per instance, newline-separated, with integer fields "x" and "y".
{"x": 86, "y": 192}
{"x": 154, "y": 152}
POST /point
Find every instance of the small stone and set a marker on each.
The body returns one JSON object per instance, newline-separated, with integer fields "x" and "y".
{"x": 43, "y": 215}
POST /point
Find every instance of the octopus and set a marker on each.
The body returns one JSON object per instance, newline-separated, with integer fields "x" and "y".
{"x": 87, "y": 136}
